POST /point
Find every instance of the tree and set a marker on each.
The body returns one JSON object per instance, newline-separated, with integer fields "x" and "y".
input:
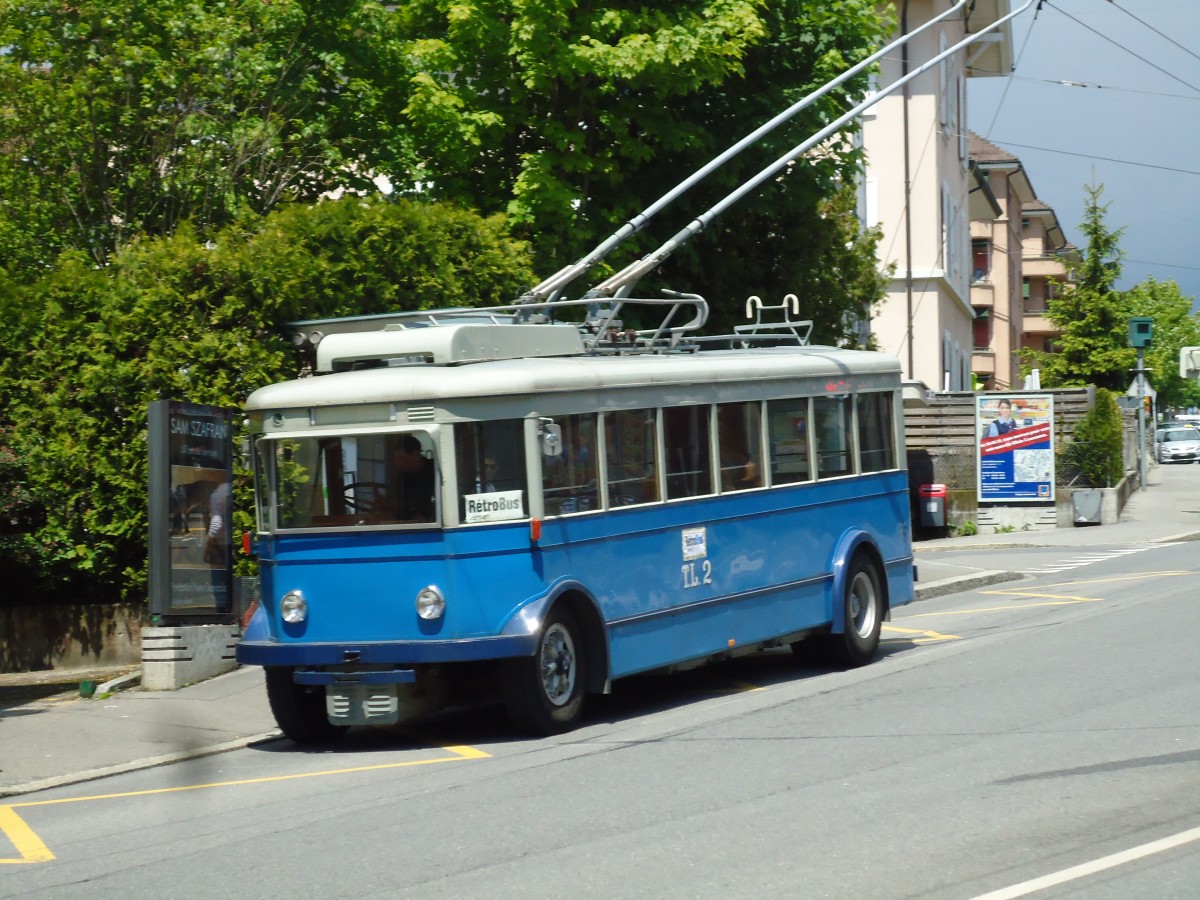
{"x": 1092, "y": 317}
{"x": 1175, "y": 326}
{"x": 199, "y": 320}
{"x": 573, "y": 118}
{"x": 121, "y": 118}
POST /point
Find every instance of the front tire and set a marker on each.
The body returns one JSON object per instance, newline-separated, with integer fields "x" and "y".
{"x": 543, "y": 693}
{"x": 299, "y": 709}
{"x": 863, "y": 608}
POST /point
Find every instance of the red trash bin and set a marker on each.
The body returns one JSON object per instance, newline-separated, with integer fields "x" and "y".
{"x": 933, "y": 505}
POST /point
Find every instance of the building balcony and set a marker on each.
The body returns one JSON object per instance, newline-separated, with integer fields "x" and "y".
{"x": 1043, "y": 267}
{"x": 983, "y": 293}
{"x": 983, "y": 363}
{"x": 1037, "y": 323}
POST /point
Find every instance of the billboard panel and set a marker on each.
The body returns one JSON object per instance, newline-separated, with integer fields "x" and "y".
{"x": 1015, "y": 447}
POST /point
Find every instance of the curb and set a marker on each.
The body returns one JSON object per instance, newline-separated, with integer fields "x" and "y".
{"x": 136, "y": 765}
{"x": 959, "y": 583}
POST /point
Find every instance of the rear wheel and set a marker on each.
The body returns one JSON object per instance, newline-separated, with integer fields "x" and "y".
{"x": 300, "y": 709}
{"x": 863, "y": 605}
{"x": 544, "y": 692}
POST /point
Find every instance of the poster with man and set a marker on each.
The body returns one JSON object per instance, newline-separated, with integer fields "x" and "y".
{"x": 1015, "y": 435}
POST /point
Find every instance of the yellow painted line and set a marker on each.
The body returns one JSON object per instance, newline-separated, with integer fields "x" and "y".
{"x": 742, "y": 687}
{"x": 926, "y": 637}
{"x": 1055, "y": 599}
{"x": 32, "y": 850}
{"x": 24, "y": 841}
{"x": 460, "y": 754}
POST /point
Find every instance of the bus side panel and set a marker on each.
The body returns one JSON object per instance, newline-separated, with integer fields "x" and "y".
{"x": 687, "y": 580}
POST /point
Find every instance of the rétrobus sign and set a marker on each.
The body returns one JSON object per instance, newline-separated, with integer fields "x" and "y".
{"x": 191, "y": 481}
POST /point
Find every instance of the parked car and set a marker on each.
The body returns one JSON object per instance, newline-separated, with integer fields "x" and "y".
{"x": 1177, "y": 444}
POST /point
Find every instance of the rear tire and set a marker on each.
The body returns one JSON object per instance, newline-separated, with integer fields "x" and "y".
{"x": 543, "y": 693}
{"x": 863, "y": 609}
{"x": 299, "y": 709}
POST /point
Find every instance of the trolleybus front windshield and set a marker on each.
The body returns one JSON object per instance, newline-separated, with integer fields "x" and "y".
{"x": 352, "y": 480}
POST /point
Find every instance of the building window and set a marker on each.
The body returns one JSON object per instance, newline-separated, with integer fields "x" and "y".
{"x": 981, "y": 260}
{"x": 982, "y": 328}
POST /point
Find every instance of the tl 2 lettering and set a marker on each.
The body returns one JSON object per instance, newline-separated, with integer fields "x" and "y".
{"x": 692, "y": 578}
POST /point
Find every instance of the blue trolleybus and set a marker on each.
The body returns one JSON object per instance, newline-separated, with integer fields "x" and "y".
{"x": 551, "y": 507}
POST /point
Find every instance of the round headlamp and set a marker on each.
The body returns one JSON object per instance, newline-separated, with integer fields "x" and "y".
{"x": 293, "y": 607}
{"x": 430, "y": 603}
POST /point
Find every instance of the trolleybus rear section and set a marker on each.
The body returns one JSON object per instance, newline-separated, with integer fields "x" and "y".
{"x": 552, "y": 523}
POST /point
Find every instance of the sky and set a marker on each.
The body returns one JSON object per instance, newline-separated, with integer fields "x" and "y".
{"x": 1132, "y": 124}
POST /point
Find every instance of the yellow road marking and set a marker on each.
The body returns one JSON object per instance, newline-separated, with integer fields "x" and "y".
{"x": 32, "y": 849}
{"x": 1055, "y": 599}
{"x": 927, "y": 637}
{"x": 28, "y": 844}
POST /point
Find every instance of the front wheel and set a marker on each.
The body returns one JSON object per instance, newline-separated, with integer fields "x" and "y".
{"x": 863, "y": 607}
{"x": 300, "y": 709}
{"x": 543, "y": 693}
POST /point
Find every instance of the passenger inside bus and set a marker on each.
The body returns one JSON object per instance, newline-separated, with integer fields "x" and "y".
{"x": 414, "y": 481}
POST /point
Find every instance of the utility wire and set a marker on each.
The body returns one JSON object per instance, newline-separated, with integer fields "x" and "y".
{"x": 1103, "y": 87}
{"x": 1155, "y": 30}
{"x": 1127, "y": 50}
{"x": 1008, "y": 83}
{"x": 1125, "y": 162}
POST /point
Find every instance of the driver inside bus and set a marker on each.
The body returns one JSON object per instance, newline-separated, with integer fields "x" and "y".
{"x": 414, "y": 482}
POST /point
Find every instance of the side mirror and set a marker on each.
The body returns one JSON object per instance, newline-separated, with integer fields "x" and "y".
{"x": 551, "y": 439}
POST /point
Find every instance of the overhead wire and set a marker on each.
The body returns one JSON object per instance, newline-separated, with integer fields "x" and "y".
{"x": 1155, "y": 30}
{"x": 1152, "y": 65}
{"x": 1126, "y": 162}
{"x": 1020, "y": 53}
{"x": 1104, "y": 87}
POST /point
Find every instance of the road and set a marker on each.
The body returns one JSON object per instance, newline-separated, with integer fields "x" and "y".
{"x": 1038, "y": 738}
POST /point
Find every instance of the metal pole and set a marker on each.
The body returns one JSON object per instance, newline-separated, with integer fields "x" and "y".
{"x": 1141, "y": 401}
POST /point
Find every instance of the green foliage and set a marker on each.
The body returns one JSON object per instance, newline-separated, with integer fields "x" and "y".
{"x": 964, "y": 529}
{"x": 20, "y": 515}
{"x": 123, "y": 117}
{"x": 1175, "y": 326}
{"x": 89, "y": 348}
{"x": 1094, "y": 455}
{"x": 575, "y": 118}
{"x": 1093, "y": 316}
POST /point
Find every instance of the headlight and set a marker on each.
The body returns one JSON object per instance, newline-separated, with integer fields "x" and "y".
{"x": 430, "y": 603}
{"x": 293, "y": 607}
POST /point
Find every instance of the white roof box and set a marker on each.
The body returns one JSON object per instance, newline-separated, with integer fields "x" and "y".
{"x": 444, "y": 345}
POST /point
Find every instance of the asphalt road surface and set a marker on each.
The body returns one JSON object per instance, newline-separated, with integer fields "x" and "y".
{"x": 1038, "y": 738}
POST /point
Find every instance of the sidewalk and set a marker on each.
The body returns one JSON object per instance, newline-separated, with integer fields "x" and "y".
{"x": 51, "y": 736}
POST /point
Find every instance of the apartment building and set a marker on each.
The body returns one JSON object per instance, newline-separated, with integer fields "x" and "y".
{"x": 1016, "y": 267}
{"x": 920, "y": 187}
{"x": 1045, "y": 254}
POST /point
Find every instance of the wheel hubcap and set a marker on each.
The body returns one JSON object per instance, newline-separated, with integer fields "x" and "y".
{"x": 863, "y": 604}
{"x": 558, "y": 665}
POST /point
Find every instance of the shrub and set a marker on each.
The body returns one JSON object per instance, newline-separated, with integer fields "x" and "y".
{"x": 1093, "y": 457}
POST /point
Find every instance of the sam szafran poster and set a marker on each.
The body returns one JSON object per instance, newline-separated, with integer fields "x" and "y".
{"x": 1015, "y": 434}
{"x": 191, "y": 478}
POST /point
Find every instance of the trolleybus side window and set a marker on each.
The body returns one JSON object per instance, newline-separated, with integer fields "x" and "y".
{"x": 569, "y": 480}
{"x": 876, "y": 432}
{"x": 631, "y": 439}
{"x": 739, "y": 445}
{"x": 688, "y": 451}
{"x": 492, "y": 482}
{"x": 835, "y": 450}
{"x": 788, "y": 420}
